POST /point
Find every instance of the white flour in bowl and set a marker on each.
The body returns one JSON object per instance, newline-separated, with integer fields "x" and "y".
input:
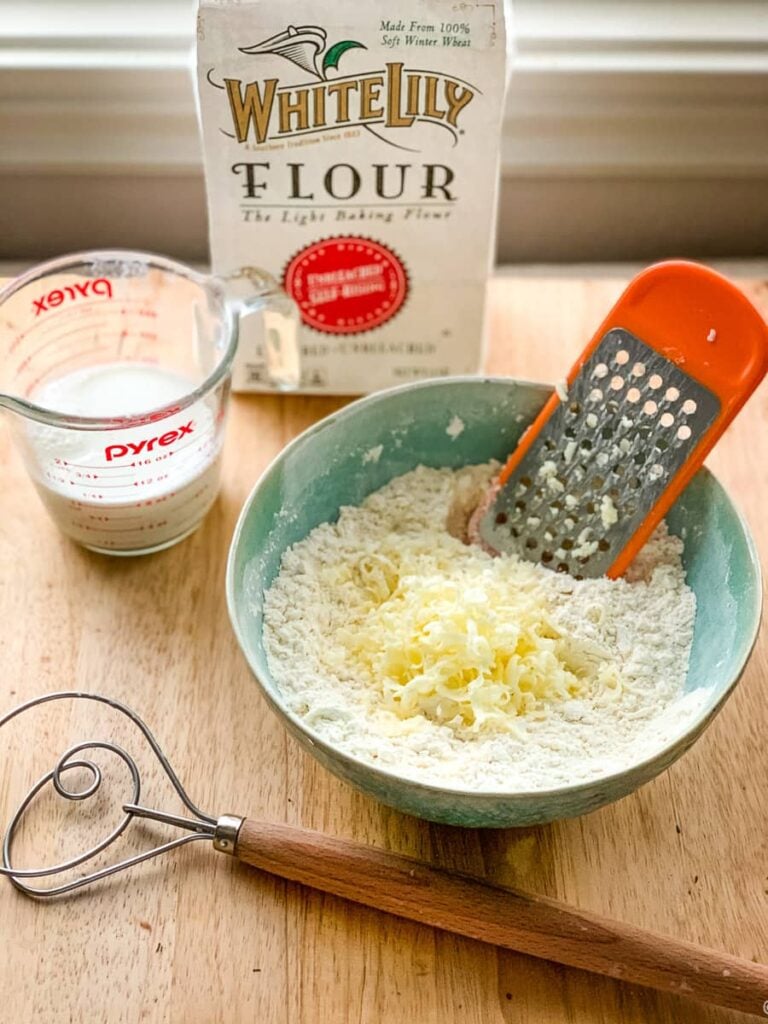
{"x": 340, "y": 634}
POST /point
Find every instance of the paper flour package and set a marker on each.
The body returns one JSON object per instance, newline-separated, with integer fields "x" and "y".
{"x": 352, "y": 150}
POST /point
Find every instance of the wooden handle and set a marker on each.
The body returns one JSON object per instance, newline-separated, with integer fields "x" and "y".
{"x": 481, "y": 910}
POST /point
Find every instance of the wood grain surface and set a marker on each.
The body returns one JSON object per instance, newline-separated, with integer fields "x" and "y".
{"x": 197, "y": 938}
{"x": 480, "y": 909}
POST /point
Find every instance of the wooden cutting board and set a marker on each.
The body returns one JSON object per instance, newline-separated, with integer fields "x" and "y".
{"x": 197, "y": 938}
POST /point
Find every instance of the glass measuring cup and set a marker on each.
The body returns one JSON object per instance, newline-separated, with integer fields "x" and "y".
{"x": 116, "y": 366}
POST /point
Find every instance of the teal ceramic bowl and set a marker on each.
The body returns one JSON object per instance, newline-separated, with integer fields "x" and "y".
{"x": 324, "y": 469}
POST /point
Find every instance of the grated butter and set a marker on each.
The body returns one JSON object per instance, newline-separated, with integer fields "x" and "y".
{"x": 393, "y": 641}
{"x": 470, "y": 646}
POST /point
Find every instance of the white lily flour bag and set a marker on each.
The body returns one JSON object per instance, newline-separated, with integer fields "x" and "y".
{"x": 352, "y": 150}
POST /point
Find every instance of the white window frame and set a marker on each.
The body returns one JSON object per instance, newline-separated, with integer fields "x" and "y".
{"x": 599, "y": 88}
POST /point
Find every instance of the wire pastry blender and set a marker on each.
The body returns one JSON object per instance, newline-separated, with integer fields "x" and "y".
{"x": 389, "y": 882}
{"x": 605, "y": 459}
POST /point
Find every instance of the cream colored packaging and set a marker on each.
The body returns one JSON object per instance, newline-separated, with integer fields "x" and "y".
{"x": 352, "y": 150}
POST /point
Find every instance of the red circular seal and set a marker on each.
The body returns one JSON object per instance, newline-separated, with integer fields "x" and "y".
{"x": 347, "y": 284}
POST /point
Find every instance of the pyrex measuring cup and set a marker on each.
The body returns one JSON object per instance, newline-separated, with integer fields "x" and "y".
{"x": 117, "y": 367}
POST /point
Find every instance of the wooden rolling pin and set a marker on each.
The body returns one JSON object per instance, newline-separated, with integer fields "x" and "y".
{"x": 468, "y": 906}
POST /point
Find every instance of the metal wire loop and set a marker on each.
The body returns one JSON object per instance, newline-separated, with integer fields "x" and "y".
{"x": 201, "y": 826}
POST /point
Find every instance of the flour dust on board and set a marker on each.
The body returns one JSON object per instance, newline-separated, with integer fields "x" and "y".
{"x": 352, "y": 150}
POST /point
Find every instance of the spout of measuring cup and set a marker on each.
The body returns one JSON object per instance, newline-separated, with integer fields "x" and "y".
{"x": 268, "y": 331}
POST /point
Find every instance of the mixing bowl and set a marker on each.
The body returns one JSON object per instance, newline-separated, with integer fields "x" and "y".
{"x": 338, "y": 462}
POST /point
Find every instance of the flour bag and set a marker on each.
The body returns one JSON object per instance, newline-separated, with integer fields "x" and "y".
{"x": 352, "y": 150}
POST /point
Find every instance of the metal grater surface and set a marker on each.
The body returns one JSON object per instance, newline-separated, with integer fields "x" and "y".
{"x": 603, "y": 459}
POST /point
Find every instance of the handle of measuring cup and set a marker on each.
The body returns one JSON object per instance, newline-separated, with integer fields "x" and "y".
{"x": 268, "y": 326}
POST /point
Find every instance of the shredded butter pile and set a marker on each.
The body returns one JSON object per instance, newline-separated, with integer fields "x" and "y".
{"x": 466, "y": 641}
{"x": 405, "y": 648}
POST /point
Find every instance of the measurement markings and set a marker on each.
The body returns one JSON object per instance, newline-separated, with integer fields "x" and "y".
{"x": 27, "y": 361}
{"x": 58, "y": 335}
{"x": 71, "y": 465}
{"x": 200, "y": 437}
{"x": 83, "y": 308}
{"x": 101, "y": 487}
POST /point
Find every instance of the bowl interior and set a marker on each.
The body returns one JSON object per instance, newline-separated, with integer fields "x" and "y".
{"x": 352, "y": 453}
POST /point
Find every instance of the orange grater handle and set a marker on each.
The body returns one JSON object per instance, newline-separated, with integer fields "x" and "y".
{"x": 700, "y": 321}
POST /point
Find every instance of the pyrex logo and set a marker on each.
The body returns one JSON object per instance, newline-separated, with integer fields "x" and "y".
{"x": 119, "y": 451}
{"x": 82, "y": 289}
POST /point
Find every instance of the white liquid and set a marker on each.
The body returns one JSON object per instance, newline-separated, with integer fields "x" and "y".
{"x": 132, "y": 489}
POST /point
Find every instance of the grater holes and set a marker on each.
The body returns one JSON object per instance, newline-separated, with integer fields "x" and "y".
{"x": 501, "y": 518}
{"x": 600, "y": 371}
{"x": 638, "y": 458}
{"x": 549, "y": 444}
{"x": 603, "y": 544}
{"x": 622, "y": 357}
{"x": 689, "y": 406}
{"x": 672, "y": 394}
{"x": 684, "y": 432}
{"x": 526, "y": 481}
{"x": 614, "y": 492}
{"x": 597, "y": 482}
{"x": 633, "y": 395}
{"x": 667, "y": 419}
{"x": 546, "y": 556}
{"x": 586, "y": 445}
{"x": 650, "y": 408}
{"x": 662, "y": 444}
{"x": 617, "y": 383}
{"x": 562, "y": 567}
{"x": 634, "y": 483}
{"x": 655, "y": 381}
{"x": 607, "y": 432}
{"x": 638, "y": 370}
{"x": 514, "y": 532}
{"x": 567, "y": 544}
{"x": 570, "y": 432}
{"x": 574, "y": 408}
{"x": 591, "y": 507}
{"x": 595, "y": 395}
{"x": 656, "y": 472}
{"x": 531, "y": 543}
{"x": 618, "y": 470}
{"x": 520, "y": 505}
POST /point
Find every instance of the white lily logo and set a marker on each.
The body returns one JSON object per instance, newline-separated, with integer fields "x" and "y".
{"x": 303, "y": 46}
